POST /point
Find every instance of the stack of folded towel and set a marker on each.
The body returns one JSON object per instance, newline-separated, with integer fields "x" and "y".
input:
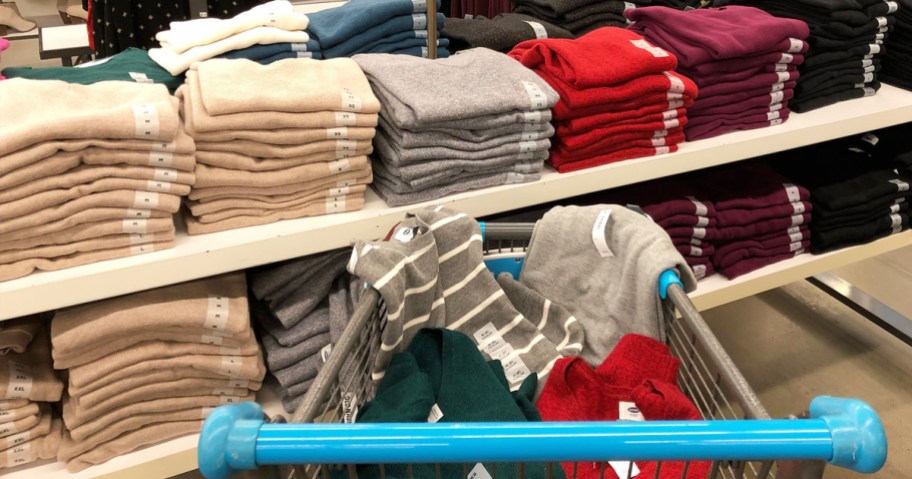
{"x": 304, "y": 305}
{"x": 490, "y": 129}
{"x": 759, "y": 222}
{"x": 500, "y": 33}
{"x": 897, "y": 60}
{"x": 273, "y": 23}
{"x": 741, "y": 58}
{"x": 859, "y": 194}
{"x": 375, "y": 26}
{"x": 279, "y": 141}
{"x": 88, "y": 172}
{"x": 630, "y": 107}
{"x": 578, "y": 16}
{"x": 148, "y": 367}
{"x": 30, "y": 429}
{"x": 847, "y": 41}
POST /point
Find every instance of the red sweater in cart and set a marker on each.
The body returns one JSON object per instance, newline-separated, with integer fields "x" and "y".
{"x": 638, "y": 370}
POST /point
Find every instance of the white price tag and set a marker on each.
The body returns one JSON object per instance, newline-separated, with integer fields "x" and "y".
{"x": 135, "y": 226}
{"x": 160, "y": 158}
{"x": 644, "y": 45}
{"x": 700, "y": 208}
{"x": 326, "y": 352}
{"x": 145, "y": 200}
{"x": 146, "y": 123}
{"x": 419, "y": 21}
{"x": 140, "y": 77}
{"x": 796, "y": 45}
{"x": 435, "y": 415}
{"x": 537, "y": 97}
{"x": 337, "y": 132}
{"x": 539, "y": 29}
{"x": 217, "y": 312}
{"x": 340, "y": 165}
{"x": 335, "y": 204}
{"x": 20, "y": 381}
{"x": 900, "y": 185}
{"x": 344, "y": 118}
{"x": 598, "y": 234}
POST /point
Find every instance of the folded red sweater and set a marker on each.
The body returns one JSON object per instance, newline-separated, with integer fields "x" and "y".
{"x": 610, "y": 144}
{"x": 604, "y": 135}
{"x": 581, "y": 62}
{"x": 563, "y": 166}
{"x": 673, "y": 85}
{"x": 586, "y": 123}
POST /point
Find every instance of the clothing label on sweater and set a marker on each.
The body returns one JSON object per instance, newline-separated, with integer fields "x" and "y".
{"x": 20, "y": 381}
{"x": 346, "y": 147}
{"x": 350, "y": 101}
{"x": 231, "y": 365}
{"x": 223, "y": 392}
{"x": 793, "y": 230}
{"x": 881, "y": 21}
{"x": 699, "y": 233}
{"x": 777, "y": 97}
{"x": 696, "y": 251}
{"x": 658, "y": 141}
{"x": 20, "y": 438}
{"x": 135, "y": 226}
{"x": 137, "y": 214}
{"x": 787, "y": 58}
{"x": 217, "y": 312}
{"x": 140, "y": 77}
{"x": 435, "y": 415}
{"x": 539, "y": 29}
{"x": 894, "y": 209}
{"x": 699, "y": 270}
{"x": 784, "y": 76}
{"x": 702, "y": 221}
{"x": 145, "y": 200}
{"x": 141, "y": 249}
{"x": 158, "y": 186}
{"x": 21, "y": 454}
{"x": 530, "y": 135}
{"x": 644, "y": 45}
{"x": 669, "y": 114}
{"x": 792, "y": 192}
{"x": 781, "y": 67}
{"x": 304, "y": 54}
{"x": 537, "y": 97}
{"x": 337, "y": 132}
{"x": 895, "y": 220}
{"x": 339, "y": 165}
{"x": 699, "y": 208}
{"x": 794, "y": 247}
{"x": 776, "y": 107}
{"x": 514, "y": 177}
{"x": 230, "y": 351}
{"x": 160, "y": 158}
{"x": 867, "y": 63}
{"x": 873, "y": 49}
{"x": 335, "y": 204}
{"x": 870, "y": 69}
{"x": 146, "y": 123}
{"x": 516, "y": 370}
{"x": 598, "y": 234}
{"x": 795, "y": 45}
{"x": 777, "y": 121}
{"x": 796, "y": 237}
{"x": 424, "y": 52}
{"x": 660, "y": 133}
{"x": 238, "y": 383}
{"x": 169, "y": 147}
{"x": 339, "y": 190}
{"x": 211, "y": 340}
{"x": 869, "y": 92}
{"x": 479, "y": 472}
{"x": 892, "y": 7}
{"x": 349, "y": 407}
{"x": 672, "y": 123}
{"x": 527, "y": 146}
{"x": 345, "y": 118}
{"x": 772, "y": 115}
{"x": 627, "y": 411}
{"x": 777, "y": 87}
{"x": 532, "y": 117}
{"x": 230, "y": 400}
{"x": 419, "y": 6}
{"x": 419, "y": 21}
{"x": 797, "y": 220}
{"x": 298, "y": 47}
{"x": 326, "y": 352}
{"x": 868, "y": 77}
{"x": 798, "y": 207}
{"x": 661, "y": 150}
{"x": 675, "y": 104}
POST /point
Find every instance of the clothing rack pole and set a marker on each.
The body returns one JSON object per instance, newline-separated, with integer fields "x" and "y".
{"x": 432, "y": 28}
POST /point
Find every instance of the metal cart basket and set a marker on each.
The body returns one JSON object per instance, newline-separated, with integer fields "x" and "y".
{"x": 737, "y": 435}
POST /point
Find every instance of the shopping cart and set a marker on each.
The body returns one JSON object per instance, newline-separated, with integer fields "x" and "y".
{"x": 737, "y": 434}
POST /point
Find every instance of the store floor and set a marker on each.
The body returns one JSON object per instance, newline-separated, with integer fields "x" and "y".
{"x": 796, "y": 342}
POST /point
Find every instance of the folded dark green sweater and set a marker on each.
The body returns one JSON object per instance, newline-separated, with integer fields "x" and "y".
{"x": 445, "y": 368}
{"x": 132, "y": 65}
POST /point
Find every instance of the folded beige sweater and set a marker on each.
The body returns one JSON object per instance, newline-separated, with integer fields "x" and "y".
{"x": 109, "y": 199}
{"x": 45, "y": 419}
{"x": 17, "y": 333}
{"x": 26, "y": 267}
{"x": 85, "y": 217}
{"x": 103, "y": 243}
{"x": 177, "y": 154}
{"x": 263, "y": 217}
{"x": 13, "y": 403}
{"x": 342, "y": 180}
{"x": 288, "y": 136}
{"x": 218, "y": 304}
{"x": 39, "y": 448}
{"x": 57, "y": 198}
{"x": 156, "y": 406}
{"x": 140, "y": 227}
{"x": 208, "y": 176}
{"x": 19, "y": 425}
{"x": 234, "y": 161}
{"x": 108, "y": 365}
{"x": 45, "y": 110}
{"x": 297, "y": 85}
{"x": 75, "y": 413}
{"x": 10, "y": 415}
{"x": 269, "y": 202}
{"x": 29, "y": 375}
{"x": 120, "y": 349}
{"x": 73, "y": 446}
{"x": 262, "y": 194}
{"x": 332, "y": 203}
{"x": 67, "y": 162}
{"x": 197, "y": 121}
{"x": 254, "y": 149}
{"x": 212, "y": 380}
{"x": 132, "y": 441}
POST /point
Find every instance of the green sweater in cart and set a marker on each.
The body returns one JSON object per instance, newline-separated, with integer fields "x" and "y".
{"x": 131, "y": 64}
{"x": 445, "y": 368}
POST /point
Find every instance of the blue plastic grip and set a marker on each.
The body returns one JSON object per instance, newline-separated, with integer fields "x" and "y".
{"x": 228, "y": 441}
{"x": 481, "y": 224}
{"x": 859, "y": 439}
{"x": 666, "y": 279}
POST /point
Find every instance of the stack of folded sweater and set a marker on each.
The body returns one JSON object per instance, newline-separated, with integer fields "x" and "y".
{"x": 88, "y": 172}
{"x": 273, "y": 23}
{"x": 148, "y": 367}
{"x": 846, "y": 42}
{"x": 578, "y": 16}
{"x": 897, "y": 60}
{"x": 758, "y": 222}
{"x": 375, "y": 26}
{"x": 304, "y": 305}
{"x": 491, "y": 129}
{"x": 742, "y": 59}
{"x": 30, "y": 428}
{"x": 500, "y": 33}
{"x": 132, "y": 64}
{"x": 637, "y": 381}
{"x": 630, "y": 107}
{"x": 279, "y": 141}
{"x": 859, "y": 194}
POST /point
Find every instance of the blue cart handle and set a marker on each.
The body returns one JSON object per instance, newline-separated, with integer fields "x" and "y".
{"x": 843, "y": 432}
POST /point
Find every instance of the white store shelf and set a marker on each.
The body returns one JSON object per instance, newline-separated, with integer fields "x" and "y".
{"x": 200, "y": 256}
